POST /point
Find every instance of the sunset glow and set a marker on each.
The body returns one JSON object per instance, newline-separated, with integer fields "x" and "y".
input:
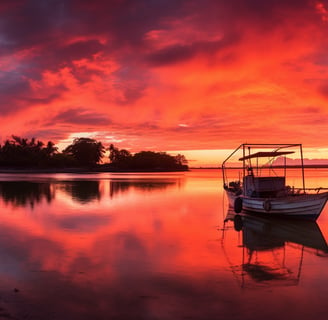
{"x": 195, "y": 76}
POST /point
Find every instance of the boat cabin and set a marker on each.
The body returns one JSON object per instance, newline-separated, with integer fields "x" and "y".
{"x": 267, "y": 186}
{"x": 264, "y": 187}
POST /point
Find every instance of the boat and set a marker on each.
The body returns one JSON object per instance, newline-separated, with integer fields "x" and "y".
{"x": 261, "y": 186}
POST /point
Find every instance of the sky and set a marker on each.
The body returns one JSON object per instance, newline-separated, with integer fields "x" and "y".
{"x": 190, "y": 76}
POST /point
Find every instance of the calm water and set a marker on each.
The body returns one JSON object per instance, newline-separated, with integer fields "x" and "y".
{"x": 152, "y": 246}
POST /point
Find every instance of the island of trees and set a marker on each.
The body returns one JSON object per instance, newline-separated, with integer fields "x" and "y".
{"x": 84, "y": 154}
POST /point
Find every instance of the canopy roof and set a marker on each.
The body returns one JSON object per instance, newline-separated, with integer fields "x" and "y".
{"x": 264, "y": 154}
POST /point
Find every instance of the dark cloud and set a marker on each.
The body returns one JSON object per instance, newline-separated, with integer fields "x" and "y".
{"x": 78, "y": 50}
{"x": 81, "y": 116}
{"x": 264, "y": 9}
{"x": 131, "y": 94}
{"x": 33, "y": 22}
{"x": 56, "y": 33}
{"x": 40, "y": 130}
{"x": 60, "y": 32}
{"x": 13, "y": 88}
{"x": 132, "y": 85}
{"x": 265, "y": 13}
{"x": 125, "y": 23}
{"x": 179, "y": 53}
{"x": 44, "y": 100}
{"x": 172, "y": 54}
{"x": 15, "y": 93}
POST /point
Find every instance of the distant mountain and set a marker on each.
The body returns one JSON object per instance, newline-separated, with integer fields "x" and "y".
{"x": 295, "y": 162}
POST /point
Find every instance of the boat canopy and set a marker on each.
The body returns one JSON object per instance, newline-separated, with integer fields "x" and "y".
{"x": 265, "y": 154}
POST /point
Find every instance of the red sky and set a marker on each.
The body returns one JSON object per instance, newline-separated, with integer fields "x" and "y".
{"x": 166, "y": 75}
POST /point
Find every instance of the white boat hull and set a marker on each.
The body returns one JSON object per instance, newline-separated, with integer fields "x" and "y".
{"x": 307, "y": 206}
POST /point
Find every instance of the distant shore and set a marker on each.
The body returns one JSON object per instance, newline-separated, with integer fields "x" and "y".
{"x": 113, "y": 170}
{"x": 82, "y": 170}
{"x": 309, "y": 166}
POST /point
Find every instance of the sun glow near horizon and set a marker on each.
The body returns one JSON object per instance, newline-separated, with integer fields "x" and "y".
{"x": 214, "y": 158}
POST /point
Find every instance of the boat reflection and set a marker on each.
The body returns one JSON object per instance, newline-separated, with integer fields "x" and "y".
{"x": 272, "y": 250}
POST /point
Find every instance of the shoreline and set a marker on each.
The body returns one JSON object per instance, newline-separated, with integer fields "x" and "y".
{"x": 83, "y": 170}
{"x": 104, "y": 170}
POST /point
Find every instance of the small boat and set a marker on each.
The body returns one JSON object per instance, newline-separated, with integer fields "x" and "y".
{"x": 261, "y": 186}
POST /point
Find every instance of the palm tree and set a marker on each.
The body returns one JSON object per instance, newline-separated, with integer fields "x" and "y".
{"x": 50, "y": 149}
{"x": 88, "y": 152}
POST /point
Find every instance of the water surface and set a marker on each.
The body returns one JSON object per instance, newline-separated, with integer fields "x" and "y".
{"x": 152, "y": 246}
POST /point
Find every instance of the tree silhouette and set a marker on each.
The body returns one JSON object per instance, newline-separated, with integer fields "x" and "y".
{"x": 181, "y": 160}
{"x": 121, "y": 157}
{"x": 87, "y": 152}
{"x": 23, "y": 152}
{"x": 50, "y": 149}
{"x": 20, "y": 152}
{"x": 146, "y": 160}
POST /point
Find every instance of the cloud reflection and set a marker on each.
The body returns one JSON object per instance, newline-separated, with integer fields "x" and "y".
{"x": 121, "y": 281}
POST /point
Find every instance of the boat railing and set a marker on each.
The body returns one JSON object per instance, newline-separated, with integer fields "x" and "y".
{"x": 296, "y": 191}
{"x": 317, "y": 190}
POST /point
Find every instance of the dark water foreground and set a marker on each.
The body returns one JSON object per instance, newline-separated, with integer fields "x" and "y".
{"x": 152, "y": 246}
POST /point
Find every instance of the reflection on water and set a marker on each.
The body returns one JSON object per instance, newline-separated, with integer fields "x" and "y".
{"x": 265, "y": 243}
{"x": 120, "y": 186}
{"x": 25, "y": 193}
{"x": 151, "y": 246}
{"x": 82, "y": 191}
